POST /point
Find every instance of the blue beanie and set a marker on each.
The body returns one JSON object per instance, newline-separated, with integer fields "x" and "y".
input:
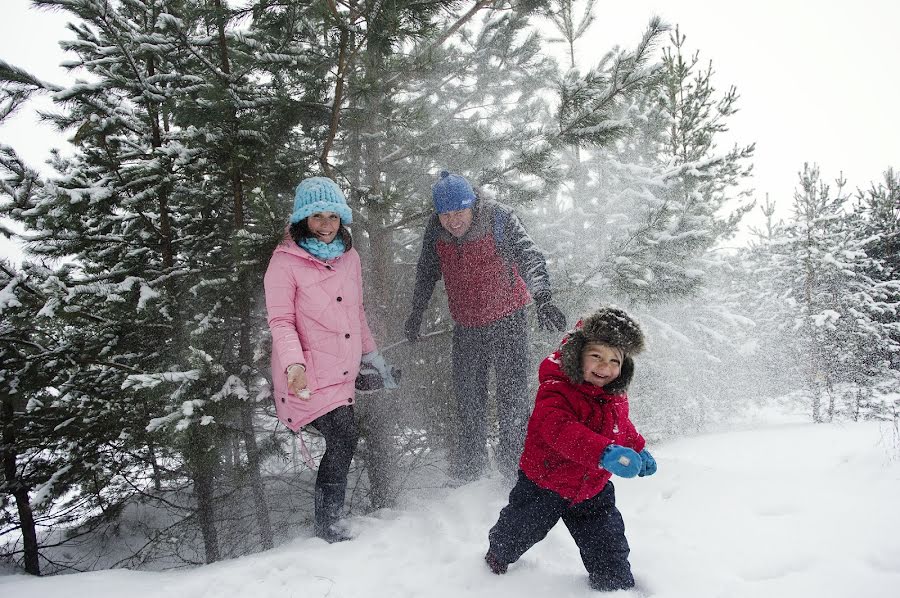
{"x": 452, "y": 193}
{"x": 320, "y": 194}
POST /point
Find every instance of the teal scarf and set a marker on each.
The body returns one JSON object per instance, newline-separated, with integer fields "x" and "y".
{"x": 323, "y": 251}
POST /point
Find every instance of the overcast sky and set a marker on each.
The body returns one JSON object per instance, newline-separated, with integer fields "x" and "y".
{"x": 818, "y": 80}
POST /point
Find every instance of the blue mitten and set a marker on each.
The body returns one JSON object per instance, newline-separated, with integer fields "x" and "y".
{"x": 621, "y": 461}
{"x": 648, "y": 463}
{"x": 376, "y": 361}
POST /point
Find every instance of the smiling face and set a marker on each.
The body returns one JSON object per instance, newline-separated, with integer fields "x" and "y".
{"x": 457, "y": 222}
{"x": 324, "y": 225}
{"x": 601, "y": 364}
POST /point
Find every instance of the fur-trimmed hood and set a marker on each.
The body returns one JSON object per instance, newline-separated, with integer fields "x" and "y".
{"x": 609, "y": 326}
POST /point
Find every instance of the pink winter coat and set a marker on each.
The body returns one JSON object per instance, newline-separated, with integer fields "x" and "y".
{"x": 316, "y": 317}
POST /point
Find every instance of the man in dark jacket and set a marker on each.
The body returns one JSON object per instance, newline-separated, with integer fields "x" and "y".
{"x": 492, "y": 270}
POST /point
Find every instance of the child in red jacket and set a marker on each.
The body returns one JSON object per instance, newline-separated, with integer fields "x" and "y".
{"x": 578, "y": 436}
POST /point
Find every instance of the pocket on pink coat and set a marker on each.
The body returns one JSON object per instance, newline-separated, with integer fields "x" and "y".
{"x": 294, "y": 413}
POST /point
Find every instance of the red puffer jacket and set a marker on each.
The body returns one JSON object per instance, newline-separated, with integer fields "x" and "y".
{"x": 569, "y": 429}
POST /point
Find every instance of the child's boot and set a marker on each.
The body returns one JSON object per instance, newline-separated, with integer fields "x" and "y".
{"x": 612, "y": 584}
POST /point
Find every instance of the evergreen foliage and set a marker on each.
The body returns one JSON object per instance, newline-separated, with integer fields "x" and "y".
{"x": 827, "y": 313}
{"x": 134, "y": 353}
{"x": 639, "y": 225}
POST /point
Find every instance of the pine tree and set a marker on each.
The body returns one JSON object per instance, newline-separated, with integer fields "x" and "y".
{"x": 817, "y": 264}
{"x": 196, "y": 122}
{"x": 22, "y": 380}
{"x": 479, "y": 107}
{"x": 876, "y": 231}
{"x": 825, "y": 311}
{"x": 762, "y": 297}
{"x": 571, "y": 30}
{"x": 62, "y": 380}
{"x": 169, "y": 247}
{"x": 655, "y": 208}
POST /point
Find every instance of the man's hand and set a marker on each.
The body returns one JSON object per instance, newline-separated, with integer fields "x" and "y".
{"x": 549, "y": 316}
{"x": 412, "y": 326}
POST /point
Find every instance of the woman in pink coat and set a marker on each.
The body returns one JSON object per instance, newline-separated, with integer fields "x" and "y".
{"x": 320, "y": 337}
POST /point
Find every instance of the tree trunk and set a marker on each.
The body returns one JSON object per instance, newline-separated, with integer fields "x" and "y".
{"x": 154, "y": 465}
{"x": 203, "y": 492}
{"x": 380, "y": 459}
{"x": 233, "y": 452}
{"x": 236, "y": 174}
{"x": 18, "y": 489}
{"x": 829, "y": 388}
{"x": 165, "y": 224}
{"x": 260, "y": 504}
{"x": 377, "y": 414}
{"x": 202, "y": 461}
{"x": 816, "y": 402}
{"x": 339, "y": 83}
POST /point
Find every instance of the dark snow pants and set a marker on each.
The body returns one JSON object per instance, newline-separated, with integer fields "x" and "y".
{"x": 504, "y": 345}
{"x": 595, "y": 524}
{"x": 341, "y": 435}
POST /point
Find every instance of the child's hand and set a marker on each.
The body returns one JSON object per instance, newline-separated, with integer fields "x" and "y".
{"x": 621, "y": 461}
{"x": 648, "y": 463}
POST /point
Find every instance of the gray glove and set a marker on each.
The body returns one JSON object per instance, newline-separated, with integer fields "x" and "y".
{"x": 375, "y": 361}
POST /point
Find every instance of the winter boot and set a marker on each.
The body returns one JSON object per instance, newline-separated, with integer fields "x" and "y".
{"x": 496, "y": 567}
{"x": 606, "y": 584}
{"x": 329, "y": 502}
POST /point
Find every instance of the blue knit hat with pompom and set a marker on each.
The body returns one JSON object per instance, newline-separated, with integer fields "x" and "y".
{"x": 452, "y": 193}
{"x": 320, "y": 194}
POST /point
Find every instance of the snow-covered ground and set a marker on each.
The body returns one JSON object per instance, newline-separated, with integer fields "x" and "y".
{"x": 789, "y": 510}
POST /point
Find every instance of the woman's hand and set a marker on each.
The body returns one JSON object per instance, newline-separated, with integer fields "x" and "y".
{"x": 296, "y": 379}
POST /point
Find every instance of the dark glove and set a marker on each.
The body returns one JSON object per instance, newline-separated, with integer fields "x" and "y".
{"x": 413, "y": 323}
{"x": 648, "y": 463}
{"x": 549, "y": 316}
{"x": 621, "y": 461}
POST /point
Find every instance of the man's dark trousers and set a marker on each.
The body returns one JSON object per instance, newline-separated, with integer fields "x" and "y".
{"x": 504, "y": 345}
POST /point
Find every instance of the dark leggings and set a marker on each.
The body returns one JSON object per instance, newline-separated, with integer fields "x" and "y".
{"x": 341, "y": 434}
